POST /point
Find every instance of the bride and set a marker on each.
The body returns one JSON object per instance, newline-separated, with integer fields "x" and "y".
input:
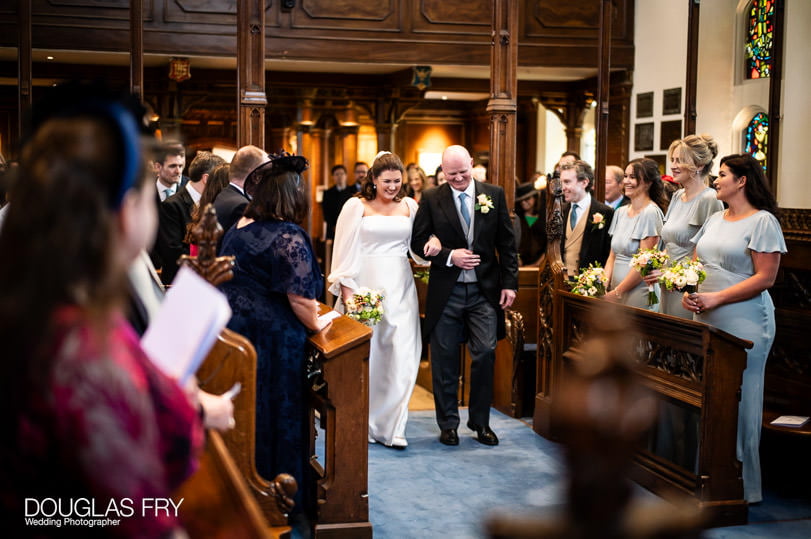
{"x": 371, "y": 250}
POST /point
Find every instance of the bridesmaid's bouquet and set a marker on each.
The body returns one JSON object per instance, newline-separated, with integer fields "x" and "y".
{"x": 645, "y": 261}
{"x": 365, "y": 306}
{"x": 591, "y": 282}
{"x": 684, "y": 276}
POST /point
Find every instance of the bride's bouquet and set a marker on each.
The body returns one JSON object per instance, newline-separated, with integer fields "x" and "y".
{"x": 591, "y": 282}
{"x": 365, "y": 306}
{"x": 684, "y": 276}
{"x": 645, "y": 261}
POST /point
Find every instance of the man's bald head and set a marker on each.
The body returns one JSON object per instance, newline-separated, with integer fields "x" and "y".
{"x": 244, "y": 161}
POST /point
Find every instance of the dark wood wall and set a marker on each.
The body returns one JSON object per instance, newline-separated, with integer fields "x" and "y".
{"x": 428, "y": 32}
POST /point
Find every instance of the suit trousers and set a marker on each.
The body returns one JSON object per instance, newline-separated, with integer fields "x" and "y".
{"x": 469, "y": 315}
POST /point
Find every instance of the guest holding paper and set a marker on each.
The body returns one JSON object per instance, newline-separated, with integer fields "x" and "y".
{"x": 635, "y": 226}
{"x": 690, "y": 207}
{"x": 371, "y": 251}
{"x": 87, "y": 413}
{"x": 272, "y": 295}
{"x": 741, "y": 248}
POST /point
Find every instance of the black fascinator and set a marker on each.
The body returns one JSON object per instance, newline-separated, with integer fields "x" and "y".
{"x": 279, "y": 163}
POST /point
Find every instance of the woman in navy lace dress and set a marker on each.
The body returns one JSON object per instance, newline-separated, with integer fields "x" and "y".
{"x": 272, "y": 295}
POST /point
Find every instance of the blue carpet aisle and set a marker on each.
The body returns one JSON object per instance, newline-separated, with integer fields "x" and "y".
{"x": 523, "y": 473}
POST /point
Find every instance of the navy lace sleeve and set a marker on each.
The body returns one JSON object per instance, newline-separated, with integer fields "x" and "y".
{"x": 296, "y": 270}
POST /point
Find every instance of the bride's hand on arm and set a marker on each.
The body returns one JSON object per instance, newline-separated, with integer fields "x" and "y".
{"x": 306, "y": 310}
{"x": 432, "y": 247}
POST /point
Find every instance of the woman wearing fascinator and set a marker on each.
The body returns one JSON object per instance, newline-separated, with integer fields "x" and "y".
{"x": 273, "y": 298}
{"x": 371, "y": 251}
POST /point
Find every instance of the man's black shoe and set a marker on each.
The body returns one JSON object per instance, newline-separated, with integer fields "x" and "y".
{"x": 484, "y": 435}
{"x": 449, "y": 437}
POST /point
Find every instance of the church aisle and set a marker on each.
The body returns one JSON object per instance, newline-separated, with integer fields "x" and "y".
{"x": 431, "y": 490}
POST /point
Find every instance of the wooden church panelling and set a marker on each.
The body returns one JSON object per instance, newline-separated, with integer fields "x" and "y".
{"x": 456, "y": 16}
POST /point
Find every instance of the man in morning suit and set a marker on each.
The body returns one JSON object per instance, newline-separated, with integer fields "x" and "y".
{"x": 175, "y": 213}
{"x": 472, "y": 279}
{"x": 585, "y": 232}
{"x": 232, "y": 201}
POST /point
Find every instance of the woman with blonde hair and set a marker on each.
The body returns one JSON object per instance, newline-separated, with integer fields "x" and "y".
{"x": 690, "y": 207}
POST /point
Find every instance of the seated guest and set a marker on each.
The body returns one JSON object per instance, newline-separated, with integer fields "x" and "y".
{"x": 175, "y": 212}
{"x": 217, "y": 181}
{"x": 636, "y": 226}
{"x": 741, "y": 248}
{"x": 232, "y": 201}
{"x": 586, "y": 240}
{"x": 532, "y": 233}
{"x": 87, "y": 413}
{"x": 272, "y": 295}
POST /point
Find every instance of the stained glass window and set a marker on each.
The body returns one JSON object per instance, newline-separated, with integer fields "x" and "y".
{"x": 756, "y": 137}
{"x": 759, "y": 32}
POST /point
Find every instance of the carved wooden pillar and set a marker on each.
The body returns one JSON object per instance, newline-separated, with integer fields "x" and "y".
{"x": 503, "y": 95}
{"x": 316, "y": 178}
{"x": 386, "y": 137}
{"x": 603, "y": 88}
{"x": 137, "y": 47}
{"x": 24, "y": 62}
{"x": 251, "y": 100}
{"x": 348, "y": 137}
{"x": 571, "y": 110}
{"x": 306, "y": 148}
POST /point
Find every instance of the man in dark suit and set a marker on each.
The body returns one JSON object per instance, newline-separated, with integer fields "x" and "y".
{"x": 175, "y": 213}
{"x": 232, "y": 201}
{"x": 614, "y": 196}
{"x": 334, "y": 199}
{"x": 586, "y": 221}
{"x": 472, "y": 279}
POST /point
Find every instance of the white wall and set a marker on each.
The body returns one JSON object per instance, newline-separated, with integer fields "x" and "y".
{"x": 660, "y": 40}
{"x": 792, "y": 183}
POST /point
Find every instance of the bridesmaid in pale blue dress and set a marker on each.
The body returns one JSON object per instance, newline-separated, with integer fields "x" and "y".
{"x": 635, "y": 226}
{"x": 690, "y": 207}
{"x": 741, "y": 250}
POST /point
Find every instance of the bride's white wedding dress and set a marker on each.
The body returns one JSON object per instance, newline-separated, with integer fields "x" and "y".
{"x": 372, "y": 251}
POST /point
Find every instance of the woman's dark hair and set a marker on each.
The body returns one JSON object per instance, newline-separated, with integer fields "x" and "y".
{"x": 59, "y": 236}
{"x": 647, "y": 171}
{"x": 756, "y": 189}
{"x": 384, "y": 161}
{"x": 217, "y": 181}
{"x": 277, "y": 191}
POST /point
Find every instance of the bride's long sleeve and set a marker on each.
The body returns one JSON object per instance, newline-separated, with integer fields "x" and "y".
{"x": 346, "y": 253}
{"x": 418, "y": 257}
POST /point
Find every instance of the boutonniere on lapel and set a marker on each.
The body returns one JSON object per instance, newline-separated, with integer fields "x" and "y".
{"x": 597, "y": 221}
{"x": 483, "y": 203}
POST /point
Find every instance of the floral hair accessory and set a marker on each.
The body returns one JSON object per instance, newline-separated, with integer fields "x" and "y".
{"x": 483, "y": 203}
{"x": 597, "y": 221}
{"x": 645, "y": 261}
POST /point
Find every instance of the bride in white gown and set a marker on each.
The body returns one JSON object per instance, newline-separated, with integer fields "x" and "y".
{"x": 371, "y": 250}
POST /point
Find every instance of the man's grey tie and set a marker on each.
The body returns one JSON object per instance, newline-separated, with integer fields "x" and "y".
{"x": 573, "y": 216}
{"x": 463, "y": 208}
{"x": 167, "y": 193}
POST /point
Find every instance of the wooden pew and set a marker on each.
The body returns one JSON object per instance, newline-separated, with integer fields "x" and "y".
{"x": 339, "y": 358}
{"x": 217, "y": 502}
{"x": 233, "y": 359}
{"x": 694, "y": 365}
